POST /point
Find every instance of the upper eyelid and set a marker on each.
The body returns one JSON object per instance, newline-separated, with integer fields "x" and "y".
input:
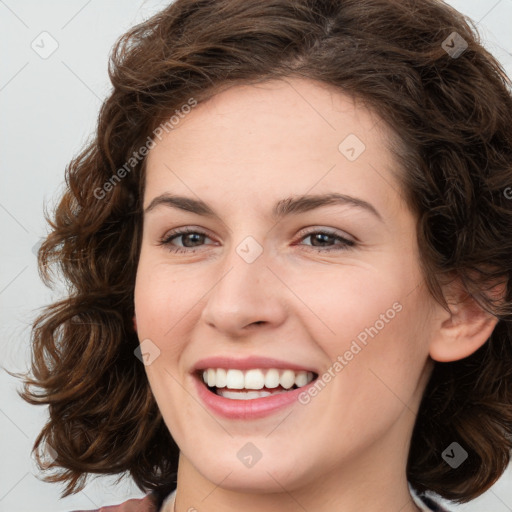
{"x": 184, "y": 231}
{"x": 303, "y": 233}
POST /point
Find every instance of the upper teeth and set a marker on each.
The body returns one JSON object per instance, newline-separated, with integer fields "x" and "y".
{"x": 255, "y": 378}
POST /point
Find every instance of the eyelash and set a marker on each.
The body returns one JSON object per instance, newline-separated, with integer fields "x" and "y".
{"x": 166, "y": 241}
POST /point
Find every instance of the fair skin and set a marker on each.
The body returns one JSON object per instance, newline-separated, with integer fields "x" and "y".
{"x": 304, "y": 300}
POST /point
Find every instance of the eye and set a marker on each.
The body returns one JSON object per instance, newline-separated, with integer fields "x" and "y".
{"x": 188, "y": 236}
{"x": 327, "y": 237}
{"x": 192, "y": 238}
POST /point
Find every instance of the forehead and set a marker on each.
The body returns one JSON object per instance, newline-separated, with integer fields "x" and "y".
{"x": 305, "y": 108}
{"x": 291, "y": 134}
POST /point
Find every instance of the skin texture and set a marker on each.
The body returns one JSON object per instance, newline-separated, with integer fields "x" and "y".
{"x": 302, "y": 300}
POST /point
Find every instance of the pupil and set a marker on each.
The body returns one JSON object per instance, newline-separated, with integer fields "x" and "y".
{"x": 190, "y": 235}
{"x": 322, "y": 237}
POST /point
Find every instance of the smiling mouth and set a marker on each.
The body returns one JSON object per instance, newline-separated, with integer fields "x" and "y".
{"x": 254, "y": 383}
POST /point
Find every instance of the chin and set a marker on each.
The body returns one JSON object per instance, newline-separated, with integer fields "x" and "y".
{"x": 263, "y": 477}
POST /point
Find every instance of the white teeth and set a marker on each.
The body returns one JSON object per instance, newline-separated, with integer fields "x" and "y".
{"x": 272, "y": 379}
{"x": 287, "y": 379}
{"x": 211, "y": 377}
{"x": 255, "y": 378}
{"x": 301, "y": 379}
{"x": 234, "y": 379}
{"x": 220, "y": 378}
{"x": 246, "y": 395}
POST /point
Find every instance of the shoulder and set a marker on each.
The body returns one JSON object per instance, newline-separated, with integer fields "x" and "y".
{"x": 426, "y": 501}
{"x": 432, "y": 505}
{"x": 146, "y": 504}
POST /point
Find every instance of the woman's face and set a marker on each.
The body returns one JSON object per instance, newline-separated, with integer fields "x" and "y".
{"x": 328, "y": 287}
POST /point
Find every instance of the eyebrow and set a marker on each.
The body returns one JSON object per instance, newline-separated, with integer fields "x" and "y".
{"x": 289, "y": 206}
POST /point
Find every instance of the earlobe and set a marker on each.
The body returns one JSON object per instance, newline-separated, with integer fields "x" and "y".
{"x": 463, "y": 331}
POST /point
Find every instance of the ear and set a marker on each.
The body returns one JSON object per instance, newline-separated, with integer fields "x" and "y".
{"x": 462, "y": 331}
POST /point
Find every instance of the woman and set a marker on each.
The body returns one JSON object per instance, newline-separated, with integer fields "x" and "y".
{"x": 289, "y": 258}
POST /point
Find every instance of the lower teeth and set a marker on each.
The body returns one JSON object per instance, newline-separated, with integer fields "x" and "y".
{"x": 247, "y": 395}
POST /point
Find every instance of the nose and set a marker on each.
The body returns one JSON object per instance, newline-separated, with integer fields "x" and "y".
{"x": 245, "y": 295}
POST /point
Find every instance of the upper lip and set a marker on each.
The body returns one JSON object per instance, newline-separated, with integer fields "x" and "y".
{"x": 248, "y": 363}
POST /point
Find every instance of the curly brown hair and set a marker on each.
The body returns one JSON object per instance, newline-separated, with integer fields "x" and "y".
{"x": 452, "y": 115}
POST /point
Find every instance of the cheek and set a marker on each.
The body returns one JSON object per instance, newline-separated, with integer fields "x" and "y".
{"x": 370, "y": 324}
{"x": 347, "y": 303}
{"x": 383, "y": 360}
{"x": 162, "y": 296}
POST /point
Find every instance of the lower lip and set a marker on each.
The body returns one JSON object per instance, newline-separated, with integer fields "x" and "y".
{"x": 247, "y": 409}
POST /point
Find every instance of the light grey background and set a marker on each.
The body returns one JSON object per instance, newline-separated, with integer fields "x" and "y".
{"x": 48, "y": 110}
